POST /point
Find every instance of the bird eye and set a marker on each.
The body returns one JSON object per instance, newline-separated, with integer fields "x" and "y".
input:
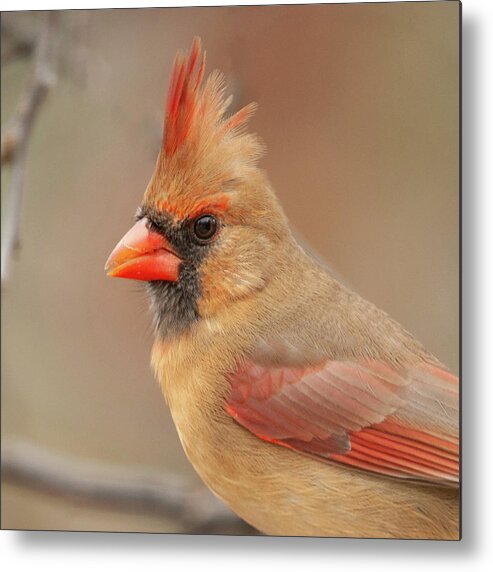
{"x": 205, "y": 227}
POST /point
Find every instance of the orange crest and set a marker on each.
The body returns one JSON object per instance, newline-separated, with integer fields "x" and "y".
{"x": 194, "y": 112}
{"x": 182, "y": 103}
{"x": 203, "y": 149}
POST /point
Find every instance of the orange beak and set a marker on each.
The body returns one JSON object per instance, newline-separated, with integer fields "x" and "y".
{"x": 143, "y": 254}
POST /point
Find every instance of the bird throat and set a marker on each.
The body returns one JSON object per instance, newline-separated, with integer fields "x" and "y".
{"x": 174, "y": 304}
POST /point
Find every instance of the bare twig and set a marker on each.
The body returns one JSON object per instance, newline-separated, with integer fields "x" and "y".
{"x": 193, "y": 509}
{"x": 17, "y": 41}
{"x": 16, "y": 138}
{"x": 16, "y": 51}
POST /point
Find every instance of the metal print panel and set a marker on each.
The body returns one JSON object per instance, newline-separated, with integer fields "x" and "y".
{"x": 279, "y": 188}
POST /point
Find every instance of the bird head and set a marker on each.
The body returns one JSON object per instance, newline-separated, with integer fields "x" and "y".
{"x": 209, "y": 224}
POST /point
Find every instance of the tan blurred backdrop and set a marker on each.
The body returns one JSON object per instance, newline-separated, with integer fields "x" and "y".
{"x": 358, "y": 107}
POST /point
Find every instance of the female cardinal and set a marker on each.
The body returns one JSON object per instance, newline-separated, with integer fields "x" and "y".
{"x": 303, "y": 406}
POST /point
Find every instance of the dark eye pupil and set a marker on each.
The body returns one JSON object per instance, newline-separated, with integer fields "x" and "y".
{"x": 205, "y": 227}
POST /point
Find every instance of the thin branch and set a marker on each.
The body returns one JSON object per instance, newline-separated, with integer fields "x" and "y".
{"x": 18, "y": 41}
{"x": 16, "y": 138}
{"x": 15, "y": 51}
{"x": 193, "y": 509}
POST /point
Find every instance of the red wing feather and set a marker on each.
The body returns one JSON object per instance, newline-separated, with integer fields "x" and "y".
{"x": 366, "y": 415}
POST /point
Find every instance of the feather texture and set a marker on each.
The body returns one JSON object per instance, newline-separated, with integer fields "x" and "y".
{"x": 195, "y": 115}
{"x": 365, "y": 414}
{"x": 203, "y": 149}
{"x": 182, "y": 104}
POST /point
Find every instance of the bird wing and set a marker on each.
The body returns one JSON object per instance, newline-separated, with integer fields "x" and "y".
{"x": 366, "y": 414}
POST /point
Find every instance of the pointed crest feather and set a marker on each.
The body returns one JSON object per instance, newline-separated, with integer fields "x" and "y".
{"x": 182, "y": 101}
{"x": 195, "y": 115}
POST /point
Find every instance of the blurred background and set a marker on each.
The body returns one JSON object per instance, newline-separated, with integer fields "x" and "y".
{"x": 358, "y": 107}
